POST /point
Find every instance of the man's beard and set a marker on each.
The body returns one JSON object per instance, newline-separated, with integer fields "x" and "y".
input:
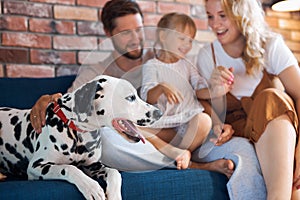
{"x": 126, "y": 53}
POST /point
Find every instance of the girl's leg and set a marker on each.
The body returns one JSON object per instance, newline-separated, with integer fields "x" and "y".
{"x": 181, "y": 156}
{"x": 275, "y": 151}
{"x": 196, "y": 133}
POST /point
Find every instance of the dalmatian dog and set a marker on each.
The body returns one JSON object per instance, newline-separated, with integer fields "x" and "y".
{"x": 69, "y": 147}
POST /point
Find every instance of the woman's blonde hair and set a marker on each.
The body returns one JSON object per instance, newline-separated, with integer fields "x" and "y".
{"x": 249, "y": 17}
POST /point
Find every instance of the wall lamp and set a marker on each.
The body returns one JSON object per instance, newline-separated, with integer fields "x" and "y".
{"x": 286, "y": 6}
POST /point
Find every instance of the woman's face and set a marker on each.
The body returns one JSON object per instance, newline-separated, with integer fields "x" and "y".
{"x": 224, "y": 28}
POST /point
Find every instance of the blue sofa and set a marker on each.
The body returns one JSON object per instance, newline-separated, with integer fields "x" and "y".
{"x": 161, "y": 184}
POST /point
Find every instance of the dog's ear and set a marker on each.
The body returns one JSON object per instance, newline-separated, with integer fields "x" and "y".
{"x": 83, "y": 103}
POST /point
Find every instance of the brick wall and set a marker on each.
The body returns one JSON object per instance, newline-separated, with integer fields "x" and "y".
{"x": 47, "y": 38}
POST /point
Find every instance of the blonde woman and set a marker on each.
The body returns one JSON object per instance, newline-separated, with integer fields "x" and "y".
{"x": 249, "y": 56}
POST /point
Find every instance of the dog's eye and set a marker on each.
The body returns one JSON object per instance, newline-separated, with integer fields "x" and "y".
{"x": 131, "y": 98}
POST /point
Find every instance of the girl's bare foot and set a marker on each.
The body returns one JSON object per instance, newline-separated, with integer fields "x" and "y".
{"x": 222, "y": 166}
{"x": 183, "y": 160}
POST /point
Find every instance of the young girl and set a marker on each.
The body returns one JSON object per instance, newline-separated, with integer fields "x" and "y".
{"x": 172, "y": 83}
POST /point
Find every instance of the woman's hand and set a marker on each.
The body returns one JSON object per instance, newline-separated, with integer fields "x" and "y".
{"x": 38, "y": 111}
{"x": 172, "y": 94}
{"x": 223, "y": 134}
{"x": 221, "y": 75}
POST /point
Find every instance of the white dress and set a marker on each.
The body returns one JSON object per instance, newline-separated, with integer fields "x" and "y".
{"x": 181, "y": 75}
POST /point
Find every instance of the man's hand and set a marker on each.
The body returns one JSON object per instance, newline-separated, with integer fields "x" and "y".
{"x": 38, "y": 111}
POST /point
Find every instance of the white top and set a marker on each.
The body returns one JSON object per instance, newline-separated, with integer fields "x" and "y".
{"x": 181, "y": 75}
{"x": 277, "y": 55}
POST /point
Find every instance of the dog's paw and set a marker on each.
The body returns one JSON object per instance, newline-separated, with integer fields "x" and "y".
{"x": 91, "y": 190}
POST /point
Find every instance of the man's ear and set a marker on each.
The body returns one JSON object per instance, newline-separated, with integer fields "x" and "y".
{"x": 107, "y": 33}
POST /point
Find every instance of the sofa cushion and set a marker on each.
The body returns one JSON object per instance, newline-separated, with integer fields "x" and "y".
{"x": 23, "y": 92}
{"x": 163, "y": 184}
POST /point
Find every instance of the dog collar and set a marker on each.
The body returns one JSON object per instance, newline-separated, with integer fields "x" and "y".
{"x": 57, "y": 110}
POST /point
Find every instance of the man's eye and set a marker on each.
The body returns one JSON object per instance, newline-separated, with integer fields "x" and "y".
{"x": 131, "y": 98}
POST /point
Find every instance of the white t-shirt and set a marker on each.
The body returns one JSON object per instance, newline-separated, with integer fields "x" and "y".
{"x": 278, "y": 57}
{"x": 181, "y": 75}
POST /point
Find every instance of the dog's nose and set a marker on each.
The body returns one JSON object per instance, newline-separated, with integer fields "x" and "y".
{"x": 157, "y": 114}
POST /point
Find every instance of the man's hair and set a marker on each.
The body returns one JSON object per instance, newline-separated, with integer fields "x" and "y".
{"x": 117, "y": 8}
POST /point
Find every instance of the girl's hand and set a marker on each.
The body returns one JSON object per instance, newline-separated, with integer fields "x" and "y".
{"x": 173, "y": 95}
{"x": 38, "y": 111}
{"x": 223, "y": 134}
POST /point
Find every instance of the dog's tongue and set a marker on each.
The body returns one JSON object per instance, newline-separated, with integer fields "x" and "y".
{"x": 128, "y": 127}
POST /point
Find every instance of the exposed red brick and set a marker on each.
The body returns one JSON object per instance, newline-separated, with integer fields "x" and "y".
{"x": 295, "y": 35}
{"x": 1, "y": 69}
{"x": 66, "y": 70}
{"x": 9, "y": 55}
{"x": 75, "y": 13}
{"x": 152, "y": 19}
{"x": 294, "y": 46}
{"x": 147, "y": 6}
{"x": 172, "y": 7}
{"x": 90, "y": 28}
{"x": 13, "y": 23}
{"x": 272, "y": 22}
{"x": 67, "y": 2}
{"x": 92, "y": 3}
{"x": 27, "y": 8}
{"x": 26, "y": 40}
{"x": 30, "y": 71}
{"x": 201, "y": 24}
{"x": 91, "y": 57}
{"x": 52, "y": 57}
{"x": 68, "y": 43}
{"x": 51, "y": 26}
{"x": 289, "y": 24}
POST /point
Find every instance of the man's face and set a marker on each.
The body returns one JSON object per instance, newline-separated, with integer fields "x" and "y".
{"x": 128, "y": 36}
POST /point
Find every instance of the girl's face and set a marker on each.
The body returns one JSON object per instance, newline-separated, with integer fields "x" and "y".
{"x": 224, "y": 28}
{"x": 179, "y": 43}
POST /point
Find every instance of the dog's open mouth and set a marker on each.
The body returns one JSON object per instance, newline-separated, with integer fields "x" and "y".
{"x": 126, "y": 127}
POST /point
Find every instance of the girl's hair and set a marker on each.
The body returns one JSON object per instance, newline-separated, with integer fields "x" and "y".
{"x": 177, "y": 22}
{"x": 250, "y": 20}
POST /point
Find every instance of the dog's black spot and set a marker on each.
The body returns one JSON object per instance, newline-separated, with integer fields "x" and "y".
{"x": 45, "y": 169}
{"x": 56, "y": 148}
{"x": 38, "y": 146}
{"x": 63, "y": 172}
{"x": 14, "y": 120}
{"x": 97, "y": 96}
{"x": 101, "y": 112}
{"x": 41, "y": 178}
{"x": 37, "y": 163}
{"x": 52, "y": 139}
{"x": 0, "y": 125}
{"x": 64, "y": 146}
{"x": 1, "y": 141}
{"x": 5, "y": 109}
{"x": 148, "y": 114}
{"x": 17, "y": 130}
{"x": 91, "y": 154}
{"x": 27, "y": 144}
{"x": 12, "y": 150}
{"x": 66, "y": 153}
{"x": 141, "y": 122}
